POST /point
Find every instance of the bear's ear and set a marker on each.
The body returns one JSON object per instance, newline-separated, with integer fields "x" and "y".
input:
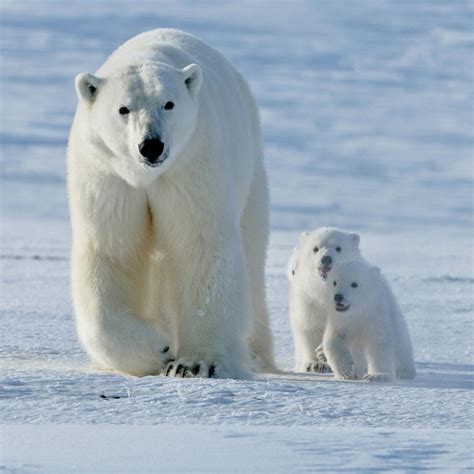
{"x": 192, "y": 78}
{"x": 355, "y": 238}
{"x": 303, "y": 237}
{"x": 86, "y": 87}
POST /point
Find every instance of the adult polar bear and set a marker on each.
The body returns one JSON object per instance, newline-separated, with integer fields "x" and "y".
{"x": 169, "y": 209}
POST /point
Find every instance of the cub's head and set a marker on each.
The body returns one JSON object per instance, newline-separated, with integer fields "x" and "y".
{"x": 352, "y": 286}
{"x": 318, "y": 251}
{"x": 140, "y": 117}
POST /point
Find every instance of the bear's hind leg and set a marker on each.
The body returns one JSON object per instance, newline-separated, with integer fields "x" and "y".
{"x": 254, "y": 229}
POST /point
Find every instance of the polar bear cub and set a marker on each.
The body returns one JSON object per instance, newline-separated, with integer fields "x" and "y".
{"x": 308, "y": 269}
{"x": 364, "y": 320}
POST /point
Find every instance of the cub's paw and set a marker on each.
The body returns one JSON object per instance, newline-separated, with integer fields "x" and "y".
{"x": 313, "y": 366}
{"x": 318, "y": 367}
{"x": 189, "y": 368}
{"x": 344, "y": 370}
{"x": 377, "y": 377}
{"x": 320, "y": 356}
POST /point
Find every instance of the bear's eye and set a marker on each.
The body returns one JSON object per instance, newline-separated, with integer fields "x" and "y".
{"x": 334, "y": 283}
{"x": 315, "y": 250}
{"x": 124, "y": 111}
{"x": 169, "y": 105}
{"x": 354, "y": 285}
{"x": 338, "y": 249}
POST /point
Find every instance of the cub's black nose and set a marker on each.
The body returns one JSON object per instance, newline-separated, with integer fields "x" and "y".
{"x": 151, "y": 149}
{"x": 338, "y": 297}
{"x": 326, "y": 260}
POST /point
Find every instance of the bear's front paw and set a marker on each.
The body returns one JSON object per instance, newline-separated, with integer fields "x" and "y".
{"x": 377, "y": 377}
{"x": 188, "y": 368}
{"x": 318, "y": 367}
{"x": 320, "y": 356}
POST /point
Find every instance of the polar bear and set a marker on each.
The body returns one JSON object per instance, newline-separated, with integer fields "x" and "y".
{"x": 307, "y": 272}
{"x": 169, "y": 208}
{"x": 364, "y": 317}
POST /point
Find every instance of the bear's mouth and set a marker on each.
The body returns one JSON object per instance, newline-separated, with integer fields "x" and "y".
{"x": 323, "y": 272}
{"x": 342, "y": 307}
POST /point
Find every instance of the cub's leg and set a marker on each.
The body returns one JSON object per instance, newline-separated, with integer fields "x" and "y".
{"x": 338, "y": 355}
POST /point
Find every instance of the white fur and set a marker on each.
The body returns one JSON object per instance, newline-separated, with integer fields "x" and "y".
{"x": 171, "y": 254}
{"x": 371, "y": 327}
{"x": 308, "y": 312}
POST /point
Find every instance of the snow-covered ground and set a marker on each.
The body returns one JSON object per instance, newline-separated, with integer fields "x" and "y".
{"x": 367, "y": 114}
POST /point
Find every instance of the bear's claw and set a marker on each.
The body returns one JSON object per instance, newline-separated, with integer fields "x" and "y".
{"x": 190, "y": 369}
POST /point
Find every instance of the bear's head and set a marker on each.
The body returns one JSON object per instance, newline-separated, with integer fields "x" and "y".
{"x": 318, "y": 251}
{"x": 352, "y": 287}
{"x": 140, "y": 117}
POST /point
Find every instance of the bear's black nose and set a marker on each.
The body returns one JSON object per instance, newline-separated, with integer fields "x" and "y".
{"x": 151, "y": 149}
{"x": 338, "y": 297}
{"x": 326, "y": 260}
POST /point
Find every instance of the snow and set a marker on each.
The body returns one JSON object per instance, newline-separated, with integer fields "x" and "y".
{"x": 367, "y": 118}
{"x": 165, "y": 448}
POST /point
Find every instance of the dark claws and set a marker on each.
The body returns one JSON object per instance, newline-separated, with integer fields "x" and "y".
{"x": 319, "y": 367}
{"x": 183, "y": 370}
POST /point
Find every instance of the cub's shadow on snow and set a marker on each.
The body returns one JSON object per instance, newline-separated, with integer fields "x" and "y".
{"x": 444, "y": 375}
{"x": 430, "y": 375}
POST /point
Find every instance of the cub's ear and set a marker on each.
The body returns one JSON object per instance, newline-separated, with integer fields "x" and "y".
{"x": 87, "y": 86}
{"x": 303, "y": 237}
{"x": 292, "y": 264}
{"x": 355, "y": 238}
{"x": 192, "y": 78}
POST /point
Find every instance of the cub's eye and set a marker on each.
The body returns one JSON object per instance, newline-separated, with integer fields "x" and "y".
{"x": 334, "y": 283}
{"x": 338, "y": 249}
{"x": 315, "y": 250}
{"x": 354, "y": 285}
{"x": 124, "y": 111}
{"x": 169, "y": 105}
